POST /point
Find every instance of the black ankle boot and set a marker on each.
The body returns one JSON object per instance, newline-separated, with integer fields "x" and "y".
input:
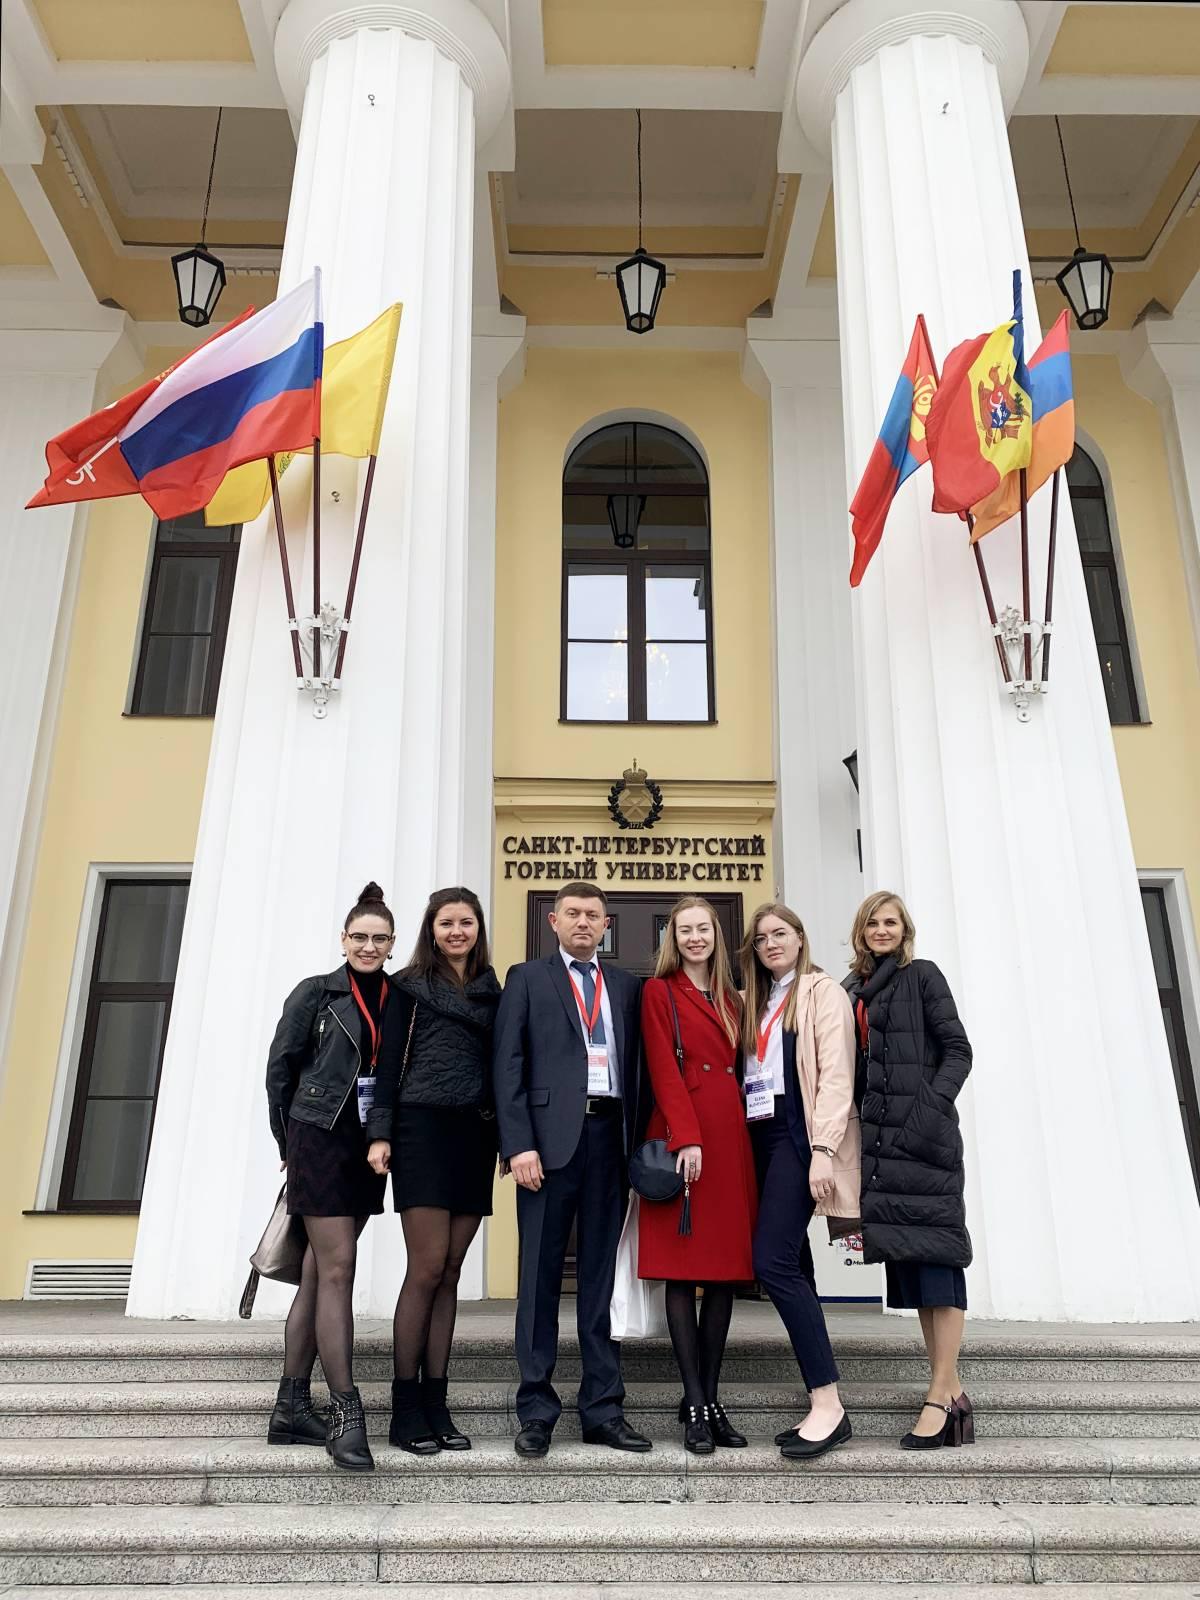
{"x": 295, "y": 1420}
{"x": 346, "y": 1438}
{"x": 696, "y": 1434}
{"x": 723, "y": 1431}
{"x": 410, "y": 1428}
{"x": 437, "y": 1414}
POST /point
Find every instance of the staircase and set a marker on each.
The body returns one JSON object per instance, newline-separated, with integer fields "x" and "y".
{"x": 133, "y": 1458}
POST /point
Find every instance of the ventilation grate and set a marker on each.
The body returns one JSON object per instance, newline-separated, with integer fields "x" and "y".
{"x": 78, "y": 1280}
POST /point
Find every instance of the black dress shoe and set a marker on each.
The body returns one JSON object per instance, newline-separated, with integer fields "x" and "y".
{"x": 798, "y": 1449}
{"x": 533, "y": 1439}
{"x": 618, "y": 1435}
{"x": 723, "y": 1431}
{"x": 696, "y": 1435}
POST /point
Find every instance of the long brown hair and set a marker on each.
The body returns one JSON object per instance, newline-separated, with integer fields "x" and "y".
{"x": 862, "y": 961}
{"x": 725, "y": 1000}
{"x": 758, "y": 980}
{"x": 427, "y": 961}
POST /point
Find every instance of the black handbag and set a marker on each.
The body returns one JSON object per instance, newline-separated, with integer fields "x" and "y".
{"x": 279, "y": 1255}
{"x": 653, "y": 1174}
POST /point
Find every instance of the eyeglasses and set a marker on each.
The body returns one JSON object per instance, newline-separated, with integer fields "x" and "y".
{"x": 762, "y": 940}
{"x": 379, "y": 940}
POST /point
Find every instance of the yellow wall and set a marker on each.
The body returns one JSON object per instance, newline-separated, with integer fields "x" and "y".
{"x": 1159, "y": 761}
{"x": 121, "y": 789}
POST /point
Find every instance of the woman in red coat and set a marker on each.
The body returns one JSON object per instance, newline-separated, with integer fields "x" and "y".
{"x": 691, "y": 1002}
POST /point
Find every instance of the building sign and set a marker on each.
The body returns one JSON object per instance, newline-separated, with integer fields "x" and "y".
{"x": 620, "y": 858}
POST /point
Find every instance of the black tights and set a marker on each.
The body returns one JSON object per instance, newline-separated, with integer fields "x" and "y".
{"x": 423, "y": 1327}
{"x": 699, "y": 1341}
{"x": 322, "y": 1314}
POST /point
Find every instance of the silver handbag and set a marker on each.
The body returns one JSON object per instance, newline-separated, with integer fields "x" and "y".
{"x": 280, "y": 1253}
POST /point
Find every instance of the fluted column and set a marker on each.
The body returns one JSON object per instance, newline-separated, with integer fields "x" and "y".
{"x": 299, "y": 813}
{"x": 1009, "y": 840}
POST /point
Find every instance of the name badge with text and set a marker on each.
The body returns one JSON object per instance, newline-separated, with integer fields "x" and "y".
{"x": 760, "y": 1098}
{"x": 597, "y": 1065}
{"x": 366, "y": 1097}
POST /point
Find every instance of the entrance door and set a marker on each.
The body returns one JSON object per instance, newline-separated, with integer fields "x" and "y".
{"x": 636, "y": 924}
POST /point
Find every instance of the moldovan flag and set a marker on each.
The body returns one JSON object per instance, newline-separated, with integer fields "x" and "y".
{"x": 354, "y": 388}
{"x": 899, "y": 450}
{"x": 1053, "y": 397}
{"x": 83, "y": 459}
{"x": 979, "y": 424}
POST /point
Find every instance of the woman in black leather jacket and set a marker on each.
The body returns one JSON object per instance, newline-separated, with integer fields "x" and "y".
{"x": 320, "y": 1088}
{"x": 433, "y": 1126}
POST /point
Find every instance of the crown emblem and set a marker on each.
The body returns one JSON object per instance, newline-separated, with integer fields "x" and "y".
{"x": 635, "y": 801}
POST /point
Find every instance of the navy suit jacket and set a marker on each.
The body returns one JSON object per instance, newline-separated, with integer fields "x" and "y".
{"x": 539, "y": 1060}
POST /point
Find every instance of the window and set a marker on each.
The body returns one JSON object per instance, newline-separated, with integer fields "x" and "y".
{"x": 1166, "y": 972}
{"x": 187, "y": 615}
{"x": 1100, "y": 574}
{"x": 637, "y": 579}
{"x": 124, "y": 1032}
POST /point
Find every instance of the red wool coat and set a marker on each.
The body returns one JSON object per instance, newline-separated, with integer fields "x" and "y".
{"x": 703, "y": 1107}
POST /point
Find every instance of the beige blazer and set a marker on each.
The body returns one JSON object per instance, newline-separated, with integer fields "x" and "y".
{"x": 825, "y": 1068}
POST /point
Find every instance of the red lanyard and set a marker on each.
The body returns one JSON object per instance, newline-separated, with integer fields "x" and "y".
{"x": 376, "y": 1032}
{"x": 764, "y": 1034}
{"x": 589, "y": 1022}
{"x": 864, "y": 1033}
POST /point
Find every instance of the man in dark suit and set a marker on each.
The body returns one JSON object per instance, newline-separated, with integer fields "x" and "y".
{"x": 565, "y": 1066}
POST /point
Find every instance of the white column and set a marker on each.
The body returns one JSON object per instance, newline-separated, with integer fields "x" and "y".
{"x": 48, "y": 380}
{"x": 1009, "y": 841}
{"x": 299, "y": 813}
{"x": 816, "y": 811}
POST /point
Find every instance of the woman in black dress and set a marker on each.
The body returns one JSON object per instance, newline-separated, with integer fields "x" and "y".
{"x": 320, "y": 1087}
{"x": 433, "y": 1128}
{"x": 913, "y": 1058}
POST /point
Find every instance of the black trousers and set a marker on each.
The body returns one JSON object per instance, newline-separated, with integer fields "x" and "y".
{"x": 591, "y": 1189}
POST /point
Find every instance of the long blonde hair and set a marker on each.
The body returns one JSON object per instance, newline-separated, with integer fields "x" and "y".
{"x": 862, "y": 961}
{"x": 758, "y": 980}
{"x": 724, "y": 991}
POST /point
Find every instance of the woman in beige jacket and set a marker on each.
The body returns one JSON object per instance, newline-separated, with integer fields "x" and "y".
{"x": 798, "y": 1042}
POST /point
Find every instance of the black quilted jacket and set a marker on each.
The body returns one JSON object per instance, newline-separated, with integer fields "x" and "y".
{"x": 916, "y": 1061}
{"x": 449, "y": 1061}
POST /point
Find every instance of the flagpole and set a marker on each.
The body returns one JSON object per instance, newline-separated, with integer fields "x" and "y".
{"x": 293, "y": 626}
{"x": 1045, "y": 663}
{"x": 353, "y": 584}
{"x": 1025, "y": 575}
{"x": 986, "y": 586}
{"x": 316, "y": 640}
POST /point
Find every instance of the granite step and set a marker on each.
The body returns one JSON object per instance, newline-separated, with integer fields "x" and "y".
{"x": 1005, "y": 1409}
{"x": 679, "y": 1544}
{"x": 607, "y": 1591}
{"x": 177, "y": 1472}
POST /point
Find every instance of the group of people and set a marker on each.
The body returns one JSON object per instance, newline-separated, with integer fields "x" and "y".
{"x": 795, "y": 1096}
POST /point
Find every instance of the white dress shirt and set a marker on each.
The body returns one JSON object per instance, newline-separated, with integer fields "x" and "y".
{"x": 773, "y": 1060}
{"x": 610, "y": 1040}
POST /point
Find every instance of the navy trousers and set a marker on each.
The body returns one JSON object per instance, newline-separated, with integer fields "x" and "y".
{"x": 783, "y": 1261}
{"x": 590, "y": 1189}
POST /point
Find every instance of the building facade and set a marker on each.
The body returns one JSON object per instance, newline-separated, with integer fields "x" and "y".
{"x": 595, "y": 558}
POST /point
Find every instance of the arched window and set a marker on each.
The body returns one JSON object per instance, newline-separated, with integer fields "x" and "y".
{"x": 637, "y": 612}
{"x": 1103, "y": 580}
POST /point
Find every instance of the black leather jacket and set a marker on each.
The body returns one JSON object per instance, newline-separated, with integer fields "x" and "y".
{"x": 314, "y": 1059}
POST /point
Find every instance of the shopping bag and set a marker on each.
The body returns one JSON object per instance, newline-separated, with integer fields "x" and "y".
{"x": 638, "y": 1309}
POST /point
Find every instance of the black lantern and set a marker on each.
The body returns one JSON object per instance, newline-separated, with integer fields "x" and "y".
{"x": 624, "y": 515}
{"x": 641, "y": 278}
{"x": 200, "y": 276}
{"x": 1086, "y": 280}
{"x": 850, "y": 763}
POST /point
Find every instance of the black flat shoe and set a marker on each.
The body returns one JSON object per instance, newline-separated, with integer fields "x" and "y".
{"x": 409, "y": 1429}
{"x": 437, "y": 1415}
{"x": 785, "y": 1434}
{"x": 947, "y": 1434}
{"x": 723, "y": 1431}
{"x": 618, "y": 1435}
{"x": 346, "y": 1435}
{"x": 798, "y": 1449}
{"x": 533, "y": 1440}
{"x": 696, "y": 1435}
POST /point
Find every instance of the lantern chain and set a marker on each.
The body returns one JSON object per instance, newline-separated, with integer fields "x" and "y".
{"x": 1067, "y": 175}
{"x": 212, "y": 167}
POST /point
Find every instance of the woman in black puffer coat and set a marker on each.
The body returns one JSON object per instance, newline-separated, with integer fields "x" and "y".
{"x": 913, "y": 1058}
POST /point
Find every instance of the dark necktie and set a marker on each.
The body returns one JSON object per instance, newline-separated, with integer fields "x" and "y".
{"x": 588, "y": 985}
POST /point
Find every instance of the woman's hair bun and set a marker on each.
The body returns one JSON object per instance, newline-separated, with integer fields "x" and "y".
{"x": 371, "y": 893}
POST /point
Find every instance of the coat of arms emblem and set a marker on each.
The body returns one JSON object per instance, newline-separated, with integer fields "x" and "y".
{"x": 1001, "y": 412}
{"x": 635, "y": 801}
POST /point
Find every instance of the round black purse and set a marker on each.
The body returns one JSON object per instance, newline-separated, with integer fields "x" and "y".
{"x": 653, "y": 1174}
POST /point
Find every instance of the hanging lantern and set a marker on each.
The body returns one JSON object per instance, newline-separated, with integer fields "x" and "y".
{"x": 1086, "y": 280}
{"x": 199, "y": 275}
{"x": 624, "y": 515}
{"x": 641, "y": 278}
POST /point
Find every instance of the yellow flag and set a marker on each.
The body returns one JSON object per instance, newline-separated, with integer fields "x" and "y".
{"x": 354, "y": 387}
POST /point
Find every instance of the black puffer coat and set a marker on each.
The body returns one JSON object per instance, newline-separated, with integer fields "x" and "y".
{"x": 916, "y": 1061}
{"x": 449, "y": 1059}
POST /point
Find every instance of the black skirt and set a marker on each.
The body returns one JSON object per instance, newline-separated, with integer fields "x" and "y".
{"x": 918, "y": 1285}
{"x": 327, "y": 1171}
{"x": 445, "y": 1158}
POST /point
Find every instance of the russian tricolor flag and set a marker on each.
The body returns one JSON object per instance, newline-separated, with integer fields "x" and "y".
{"x": 254, "y": 392}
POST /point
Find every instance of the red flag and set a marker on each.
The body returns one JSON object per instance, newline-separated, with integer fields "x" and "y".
{"x": 83, "y": 459}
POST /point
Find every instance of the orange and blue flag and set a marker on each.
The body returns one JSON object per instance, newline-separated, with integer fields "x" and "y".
{"x": 980, "y": 424}
{"x": 899, "y": 450}
{"x": 1053, "y": 397}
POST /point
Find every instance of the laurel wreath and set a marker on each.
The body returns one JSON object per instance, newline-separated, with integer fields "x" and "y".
{"x": 623, "y": 822}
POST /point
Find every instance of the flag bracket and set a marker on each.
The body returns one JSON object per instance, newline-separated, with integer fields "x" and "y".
{"x": 319, "y": 637}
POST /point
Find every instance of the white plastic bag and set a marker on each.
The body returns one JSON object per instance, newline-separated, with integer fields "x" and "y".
{"x": 638, "y": 1309}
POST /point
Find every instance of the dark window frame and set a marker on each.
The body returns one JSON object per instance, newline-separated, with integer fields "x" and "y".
{"x": 636, "y": 562}
{"x": 1171, "y": 1001}
{"x": 98, "y": 991}
{"x": 1107, "y": 562}
{"x": 226, "y": 552}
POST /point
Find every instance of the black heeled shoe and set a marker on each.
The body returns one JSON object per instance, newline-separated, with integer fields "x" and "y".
{"x": 696, "y": 1434}
{"x": 437, "y": 1415}
{"x": 295, "y": 1420}
{"x": 966, "y": 1418}
{"x": 409, "y": 1429}
{"x": 723, "y": 1431}
{"x": 346, "y": 1435}
{"x": 947, "y": 1435}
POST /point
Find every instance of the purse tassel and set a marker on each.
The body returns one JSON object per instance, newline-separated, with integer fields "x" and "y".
{"x": 685, "y": 1212}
